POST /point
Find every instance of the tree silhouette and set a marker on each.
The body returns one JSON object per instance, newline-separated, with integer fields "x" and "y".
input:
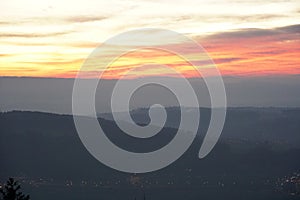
{"x": 11, "y": 191}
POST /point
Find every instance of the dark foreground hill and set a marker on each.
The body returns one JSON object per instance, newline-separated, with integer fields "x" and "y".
{"x": 256, "y": 156}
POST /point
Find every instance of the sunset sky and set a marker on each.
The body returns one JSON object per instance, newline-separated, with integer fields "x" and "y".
{"x": 53, "y": 38}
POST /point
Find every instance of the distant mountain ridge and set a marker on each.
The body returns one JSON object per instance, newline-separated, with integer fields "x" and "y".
{"x": 279, "y": 125}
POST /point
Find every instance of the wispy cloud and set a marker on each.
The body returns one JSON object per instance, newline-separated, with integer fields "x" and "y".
{"x": 82, "y": 19}
{"x": 31, "y": 35}
{"x": 248, "y": 33}
{"x": 53, "y": 20}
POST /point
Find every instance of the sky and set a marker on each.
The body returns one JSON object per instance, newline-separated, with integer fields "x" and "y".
{"x": 244, "y": 38}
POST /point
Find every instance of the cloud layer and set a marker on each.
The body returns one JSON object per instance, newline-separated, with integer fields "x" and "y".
{"x": 52, "y": 39}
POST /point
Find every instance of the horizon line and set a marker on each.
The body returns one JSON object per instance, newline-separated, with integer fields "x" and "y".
{"x": 223, "y": 76}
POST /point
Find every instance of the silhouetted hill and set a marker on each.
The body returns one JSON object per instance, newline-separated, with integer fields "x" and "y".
{"x": 257, "y": 145}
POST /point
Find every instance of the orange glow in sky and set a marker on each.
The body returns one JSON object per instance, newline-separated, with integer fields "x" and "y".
{"x": 243, "y": 38}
